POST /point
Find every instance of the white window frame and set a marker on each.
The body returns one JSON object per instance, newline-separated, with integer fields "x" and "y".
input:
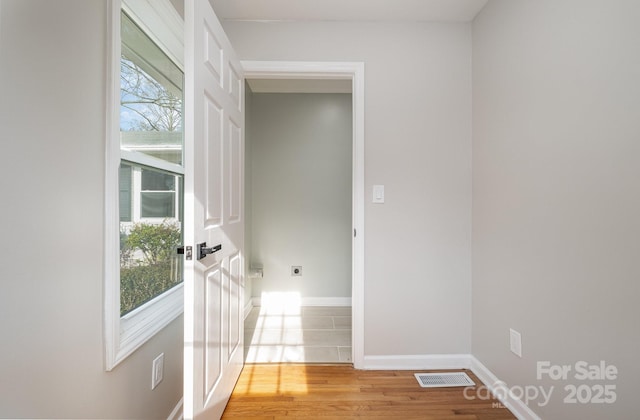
{"x": 124, "y": 334}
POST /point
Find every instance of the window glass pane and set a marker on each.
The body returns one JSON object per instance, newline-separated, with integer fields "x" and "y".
{"x": 125, "y": 192}
{"x": 151, "y": 93}
{"x": 149, "y": 263}
{"x": 157, "y": 181}
{"x": 151, "y": 199}
{"x": 157, "y": 204}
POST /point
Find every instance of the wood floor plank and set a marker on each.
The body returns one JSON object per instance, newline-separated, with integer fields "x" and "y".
{"x": 286, "y": 391}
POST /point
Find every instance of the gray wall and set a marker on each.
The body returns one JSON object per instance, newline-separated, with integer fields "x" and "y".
{"x": 418, "y": 144}
{"x": 301, "y": 192}
{"x": 556, "y": 150}
{"x": 52, "y": 114}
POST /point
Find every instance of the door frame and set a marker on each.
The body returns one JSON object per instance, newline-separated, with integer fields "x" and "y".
{"x": 353, "y": 71}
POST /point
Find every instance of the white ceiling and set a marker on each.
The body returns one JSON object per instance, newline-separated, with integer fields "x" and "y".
{"x": 349, "y": 10}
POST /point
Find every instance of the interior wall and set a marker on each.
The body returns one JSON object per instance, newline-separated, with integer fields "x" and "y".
{"x": 301, "y": 170}
{"x": 52, "y": 114}
{"x": 418, "y": 144}
{"x": 556, "y": 101}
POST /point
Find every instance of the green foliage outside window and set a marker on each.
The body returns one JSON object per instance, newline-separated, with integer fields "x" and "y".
{"x": 158, "y": 269}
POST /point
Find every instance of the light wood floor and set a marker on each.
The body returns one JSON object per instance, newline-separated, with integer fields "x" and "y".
{"x": 278, "y": 391}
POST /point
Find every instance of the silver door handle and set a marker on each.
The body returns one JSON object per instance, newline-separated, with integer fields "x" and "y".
{"x": 203, "y": 251}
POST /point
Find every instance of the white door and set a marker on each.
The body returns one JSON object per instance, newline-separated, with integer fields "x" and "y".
{"x": 214, "y": 156}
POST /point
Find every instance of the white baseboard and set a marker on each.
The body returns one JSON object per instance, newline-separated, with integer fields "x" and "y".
{"x": 176, "y": 414}
{"x": 453, "y": 361}
{"x": 515, "y": 405}
{"x": 247, "y": 308}
{"x": 419, "y": 361}
{"x": 429, "y": 362}
{"x": 314, "y": 301}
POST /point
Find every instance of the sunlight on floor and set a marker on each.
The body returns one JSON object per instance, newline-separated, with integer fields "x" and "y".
{"x": 283, "y": 331}
{"x": 278, "y": 311}
{"x": 276, "y": 382}
{"x": 279, "y": 322}
{"x": 281, "y": 303}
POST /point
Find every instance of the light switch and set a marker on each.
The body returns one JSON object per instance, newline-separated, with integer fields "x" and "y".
{"x": 157, "y": 371}
{"x": 378, "y": 194}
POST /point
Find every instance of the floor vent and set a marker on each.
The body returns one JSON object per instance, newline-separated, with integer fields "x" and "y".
{"x": 439, "y": 380}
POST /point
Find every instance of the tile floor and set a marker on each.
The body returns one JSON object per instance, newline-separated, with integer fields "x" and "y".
{"x": 308, "y": 334}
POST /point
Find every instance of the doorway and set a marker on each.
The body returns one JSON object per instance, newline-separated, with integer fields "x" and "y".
{"x": 323, "y": 77}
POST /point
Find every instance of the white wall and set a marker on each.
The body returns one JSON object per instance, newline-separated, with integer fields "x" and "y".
{"x": 301, "y": 201}
{"x": 556, "y": 202}
{"x": 418, "y": 144}
{"x": 52, "y": 119}
{"x": 248, "y": 194}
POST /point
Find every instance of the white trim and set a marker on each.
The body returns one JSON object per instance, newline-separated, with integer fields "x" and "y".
{"x": 308, "y": 301}
{"x": 153, "y": 162}
{"x": 491, "y": 381}
{"x": 176, "y": 414}
{"x": 454, "y": 361}
{"x": 112, "y": 161}
{"x": 357, "y": 288}
{"x": 353, "y": 71}
{"x": 248, "y": 307}
{"x": 145, "y": 321}
{"x": 418, "y": 361}
{"x": 123, "y": 335}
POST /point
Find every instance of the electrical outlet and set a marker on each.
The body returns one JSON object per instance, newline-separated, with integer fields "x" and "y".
{"x": 515, "y": 340}
{"x": 157, "y": 371}
{"x": 296, "y": 270}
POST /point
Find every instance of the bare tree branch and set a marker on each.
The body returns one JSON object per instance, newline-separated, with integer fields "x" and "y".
{"x": 157, "y": 107}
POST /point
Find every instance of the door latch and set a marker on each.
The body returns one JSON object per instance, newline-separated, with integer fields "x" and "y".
{"x": 187, "y": 251}
{"x": 203, "y": 251}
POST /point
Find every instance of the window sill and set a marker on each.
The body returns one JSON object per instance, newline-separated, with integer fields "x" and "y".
{"x": 138, "y": 326}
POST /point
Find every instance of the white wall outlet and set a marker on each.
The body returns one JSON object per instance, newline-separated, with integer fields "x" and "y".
{"x": 378, "y": 194}
{"x": 296, "y": 270}
{"x": 515, "y": 340}
{"x": 157, "y": 371}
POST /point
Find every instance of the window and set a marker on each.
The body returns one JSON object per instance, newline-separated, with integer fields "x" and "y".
{"x": 158, "y": 194}
{"x": 143, "y": 276}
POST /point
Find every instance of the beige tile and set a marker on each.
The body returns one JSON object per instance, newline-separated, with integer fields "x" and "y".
{"x": 298, "y": 337}
{"x": 342, "y": 322}
{"x": 291, "y": 354}
{"x": 306, "y": 322}
{"x": 272, "y": 337}
{"x": 345, "y": 354}
{"x": 327, "y": 338}
{"x": 314, "y": 322}
{"x": 326, "y": 310}
{"x": 279, "y": 321}
{"x": 321, "y": 355}
{"x": 312, "y": 334}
